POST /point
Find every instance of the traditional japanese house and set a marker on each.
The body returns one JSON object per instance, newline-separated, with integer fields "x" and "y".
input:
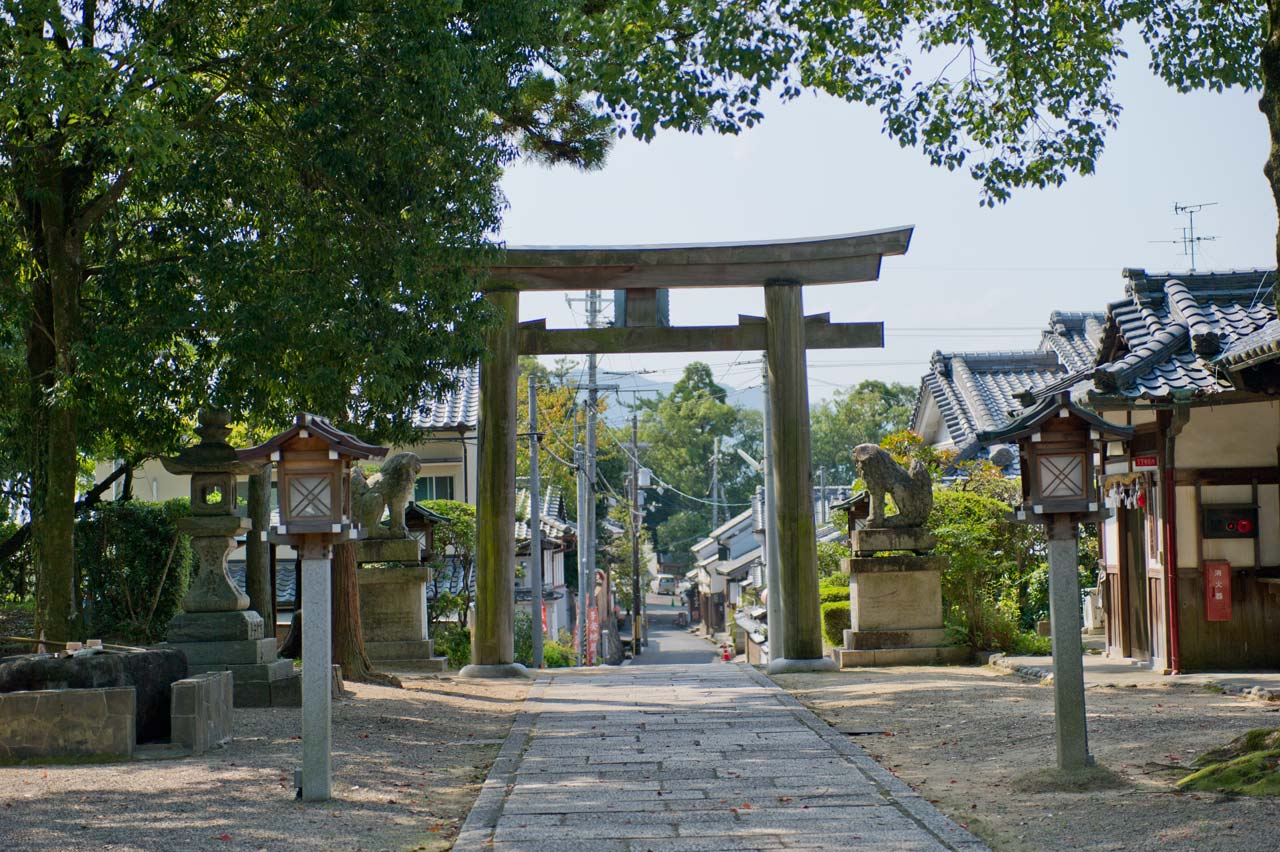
{"x": 969, "y": 392}
{"x": 559, "y": 538}
{"x": 1192, "y": 552}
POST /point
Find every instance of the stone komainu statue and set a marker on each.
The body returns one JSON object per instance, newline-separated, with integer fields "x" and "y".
{"x": 912, "y": 490}
{"x": 391, "y": 488}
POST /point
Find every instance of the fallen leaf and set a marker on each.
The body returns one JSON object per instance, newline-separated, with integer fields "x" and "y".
{"x": 224, "y": 836}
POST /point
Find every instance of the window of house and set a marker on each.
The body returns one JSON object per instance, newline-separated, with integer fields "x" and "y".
{"x": 433, "y": 488}
{"x": 722, "y": 553}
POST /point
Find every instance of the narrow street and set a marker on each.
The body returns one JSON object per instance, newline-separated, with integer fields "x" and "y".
{"x": 669, "y": 644}
{"x": 682, "y": 758}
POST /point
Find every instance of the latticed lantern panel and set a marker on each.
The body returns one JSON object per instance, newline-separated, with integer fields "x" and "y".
{"x": 311, "y": 497}
{"x": 1062, "y": 477}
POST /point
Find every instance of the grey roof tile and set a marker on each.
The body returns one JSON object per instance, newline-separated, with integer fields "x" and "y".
{"x": 458, "y": 408}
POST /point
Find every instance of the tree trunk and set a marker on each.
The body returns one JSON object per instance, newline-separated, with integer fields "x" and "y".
{"x": 348, "y": 639}
{"x": 257, "y": 567}
{"x": 51, "y": 337}
{"x": 1269, "y": 103}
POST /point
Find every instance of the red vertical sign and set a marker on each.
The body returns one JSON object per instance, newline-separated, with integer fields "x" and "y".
{"x": 544, "y": 618}
{"x": 1217, "y": 590}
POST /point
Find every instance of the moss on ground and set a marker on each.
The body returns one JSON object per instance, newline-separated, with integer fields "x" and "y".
{"x": 1249, "y": 765}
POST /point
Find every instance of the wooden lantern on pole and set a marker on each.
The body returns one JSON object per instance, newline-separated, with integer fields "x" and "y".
{"x": 1061, "y": 447}
{"x": 313, "y": 461}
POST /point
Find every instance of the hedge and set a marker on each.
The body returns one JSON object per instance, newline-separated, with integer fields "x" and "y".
{"x": 835, "y": 621}
{"x": 830, "y": 593}
{"x": 136, "y": 566}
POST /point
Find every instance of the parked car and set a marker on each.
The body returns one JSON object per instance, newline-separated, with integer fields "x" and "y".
{"x": 665, "y": 584}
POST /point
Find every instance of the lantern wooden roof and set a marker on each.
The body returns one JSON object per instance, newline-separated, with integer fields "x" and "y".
{"x": 305, "y": 425}
{"x": 1032, "y": 419}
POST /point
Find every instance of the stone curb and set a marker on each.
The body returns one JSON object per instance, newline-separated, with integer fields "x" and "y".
{"x": 476, "y": 834}
{"x": 893, "y": 788}
{"x": 1045, "y": 678}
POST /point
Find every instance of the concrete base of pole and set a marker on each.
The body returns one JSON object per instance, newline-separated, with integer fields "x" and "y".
{"x": 317, "y": 681}
{"x": 493, "y": 671}
{"x": 785, "y": 666}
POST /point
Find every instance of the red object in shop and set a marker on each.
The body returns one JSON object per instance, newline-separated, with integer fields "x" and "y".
{"x": 1217, "y": 590}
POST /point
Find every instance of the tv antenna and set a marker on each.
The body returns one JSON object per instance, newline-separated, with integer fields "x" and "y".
{"x": 1190, "y": 239}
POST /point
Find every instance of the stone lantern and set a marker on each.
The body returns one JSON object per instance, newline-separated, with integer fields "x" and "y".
{"x": 313, "y": 479}
{"x": 1060, "y": 448}
{"x": 216, "y": 629}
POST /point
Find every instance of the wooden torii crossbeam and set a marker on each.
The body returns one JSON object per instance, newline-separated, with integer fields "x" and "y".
{"x": 784, "y": 333}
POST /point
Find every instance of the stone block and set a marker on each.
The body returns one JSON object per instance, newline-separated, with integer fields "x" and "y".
{"x": 862, "y": 640}
{"x": 286, "y": 692}
{"x": 878, "y": 539}
{"x": 216, "y": 626}
{"x": 68, "y": 723}
{"x": 238, "y": 653}
{"x": 932, "y": 656}
{"x": 893, "y": 564}
{"x": 255, "y": 685}
{"x": 420, "y": 649}
{"x": 202, "y": 711}
{"x": 903, "y": 600}
{"x": 388, "y": 550}
{"x": 148, "y": 673}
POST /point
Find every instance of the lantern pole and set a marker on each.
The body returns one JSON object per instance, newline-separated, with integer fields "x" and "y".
{"x": 1068, "y": 666}
{"x": 317, "y": 672}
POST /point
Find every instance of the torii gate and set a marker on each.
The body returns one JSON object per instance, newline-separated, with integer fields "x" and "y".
{"x": 782, "y": 269}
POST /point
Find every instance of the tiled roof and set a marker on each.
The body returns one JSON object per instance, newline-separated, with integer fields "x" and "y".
{"x": 1074, "y": 336}
{"x": 555, "y": 525}
{"x": 286, "y": 591}
{"x": 979, "y": 391}
{"x": 1178, "y": 336}
{"x": 458, "y": 408}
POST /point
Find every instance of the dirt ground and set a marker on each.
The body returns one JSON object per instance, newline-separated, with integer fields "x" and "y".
{"x": 407, "y": 766}
{"x": 967, "y": 738}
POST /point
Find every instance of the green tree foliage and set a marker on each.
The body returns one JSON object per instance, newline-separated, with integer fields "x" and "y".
{"x": 682, "y": 430}
{"x": 284, "y": 205}
{"x": 459, "y": 533}
{"x": 135, "y": 568}
{"x": 829, "y": 555}
{"x": 864, "y": 414}
{"x": 991, "y": 563}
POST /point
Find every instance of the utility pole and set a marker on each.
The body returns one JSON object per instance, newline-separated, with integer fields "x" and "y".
{"x": 771, "y": 552}
{"x": 579, "y": 456}
{"x": 715, "y": 483}
{"x": 593, "y": 314}
{"x": 535, "y": 525}
{"x": 635, "y": 537}
{"x": 822, "y": 494}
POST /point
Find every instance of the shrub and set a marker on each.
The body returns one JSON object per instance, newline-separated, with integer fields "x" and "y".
{"x": 135, "y": 565}
{"x": 829, "y": 555}
{"x": 835, "y": 621}
{"x": 556, "y": 655}
{"x": 455, "y": 643}
{"x": 988, "y": 568}
{"x": 830, "y": 592}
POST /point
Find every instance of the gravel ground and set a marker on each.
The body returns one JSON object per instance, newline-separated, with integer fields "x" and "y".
{"x": 968, "y": 738}
{"x": 407, "y": 765}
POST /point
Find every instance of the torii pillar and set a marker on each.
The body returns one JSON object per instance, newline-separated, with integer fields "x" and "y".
{"x": 785, "y": 335}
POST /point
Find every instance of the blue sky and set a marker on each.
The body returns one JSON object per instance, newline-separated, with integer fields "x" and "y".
{"x": 974, "y": 279}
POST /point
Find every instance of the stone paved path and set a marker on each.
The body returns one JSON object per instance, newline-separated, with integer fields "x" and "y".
{"x": 689, "y": 758}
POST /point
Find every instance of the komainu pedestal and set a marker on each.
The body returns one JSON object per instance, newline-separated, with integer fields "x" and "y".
{"x": 895, "y": 602}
